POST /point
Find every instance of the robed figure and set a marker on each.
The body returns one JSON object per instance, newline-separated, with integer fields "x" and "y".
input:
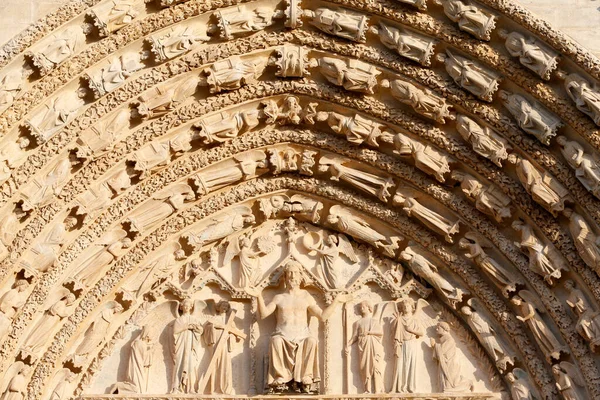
{"x": 446, "y": 354}
{"x": 140, "y": 360}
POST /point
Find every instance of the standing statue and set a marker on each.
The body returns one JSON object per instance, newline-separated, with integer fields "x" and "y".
{"x": 232, "y": 73}
{"x": 544, "y": 260}
{"x": 423, "y": 101}
{"x": 358, "y": 129}
{"x": 585, "y": 96}
{"x": 586, "y": 165}
{"x": 519, "y": 386}
{"x": 408, "y": 327}
{"x": 114, "y": 75}
{"x": 11, "y": 86}
{"x": 186, "y": 344}
{"x": 483, "y": 140}
{"x": 405, "y": 42}
{"x": 329, "y": 251}
{"x": 16, "y": 381}
{"x": 543, "y": 187}
{"x": 164, "y": 97}
{"x": 341, "y": 22}
{"x": 293, "y": 350}
{"x": 43, "y": 190}
{"x": 368, "y": 332}
{"x": 221, "y": 226}
{"x": 586, "y": 241}
{"x": 532, "y": 53}
{"x": 55, "y": 114}
{"x": 10, "y": 303}
{"x": 501, "y": 276}
{"x": 351, "y": 74}
{"x": 103, "y": 135}
{"x": 140, "y": 361}
{"x": 58, "y": 47}
{"x": 111, "y": 16}
{"x": 242, "y": 246}
{"x": 448, "y": 359}
{"x": 588, "y": 323}
{"x": 568, "y": 379}
{"x": 531, "y": 116}
{"x": 528, "y": 308}
{"x": 175, "y": 42}
{"x": 489, "y": 199}
{"x": 239, "y": 20}
{"x": 470, "y": 18}
{"x": 224, "y": 126}
{"x": 471, "y": 76}
{"x": 63, "y": 389}
{"x": 426, "y": 158}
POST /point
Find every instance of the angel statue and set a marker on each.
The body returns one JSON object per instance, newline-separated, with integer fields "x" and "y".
{"x": 567, "y": 379}
{"x": 519, "y": 386}
{"x": 408, "y": 324}
{"x": 329, "y": 252}
{"x": 368, "y": 332}
{"x": 15, "y": 382}
{"x": 186, "y": 343}
{"x": 446, "y": 354}
{"x": 63, "y": 389}
{"x": 242, "y": 246}
{"x": 221, "y": 226}
{"x": 528, "y": 309}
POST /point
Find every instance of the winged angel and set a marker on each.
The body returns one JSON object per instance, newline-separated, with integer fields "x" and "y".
{"x": 567, "y": 379}
{"x": 329, "y": 251}
{"x": 242, "y": 246}
{"x": 221, "y": 226}
{"x": 14, "y": 386}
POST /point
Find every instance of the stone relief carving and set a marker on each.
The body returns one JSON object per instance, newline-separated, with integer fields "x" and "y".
{"x": 232, "y": 73}
{"x": 407, "y": 43}
{"x": 224, "y": 126}
{"x": 544, "y": 188}
{"x": 109, "y": 78}
{"x": 586, "y": 241}
{"x": 57, "y": 48}
{"x": 339, "y": 22}
{"x": 242, "y": 247}
{"x": 164, "y": 97}
{"x": 42, "y": 191}
{"x": 470, "y": 75}
{"x": 371, "y": 183}
{"x": 15, "y": 386}
{"x": 483, "y": 139}
{"x": 588, "y": 322}
{"x": 177, "y": 41}
{"x": 444, "y": 352}
{"x": 357, "y": 128}
{"x": 420, "y": 4}
{"x": 585, "y": 95}
{"x": 11, "y": 86}
{"x": 585, "y": 165}
{"x": 111, "y": 16}
{"x": 531, "y": 116}
{"x": 532, "y": 53}
{"x": 426, "y": 158}
{"x": 299, "y": 206}
{"x": 283, "y": 111}
{"x": 240, "y": 20}
{"x": 329, "y": 249}
{"x": 351, "y": 74}
{"x": 221, "y": 226}
{"x": 62, "y": 389}
{"x": 54, "y": 115}
{"x": 10, "y": 303}
{"x": 488, "y": 199}
{"x": 519, "y": 386}
{"x": 291, "y": 61}
{"x": 528, "y": 308}
{"x": 103, "y": 135}
{"x": 568, "y": 379}
{"x": 544, "y": 259}
{"x": 422, "y": 101}
{"x": 470, "y": 18}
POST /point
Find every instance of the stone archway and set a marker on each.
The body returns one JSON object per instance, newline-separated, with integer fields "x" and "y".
{"x": 444, "y": 152}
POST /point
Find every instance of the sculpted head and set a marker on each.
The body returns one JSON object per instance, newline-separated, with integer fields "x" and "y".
{"x": 466, "y": 311}
{"x": 21, "y": 285}
{"x": 407, "y": 306}
{"x": 511, "y": 377}
{"x": 366, "y": 308}
{"x": 516, "y": 300}
{"x": 222, "y": 307}
{"x": 70, "y": 299}
{"x": 187, "y": 306}
{"x": 561, "y": 140}
{"x": 569, "y": 285}
{"x": 70, "y": 222}
{"x": 293, "y": 274}
{"x": 442, "y": 328}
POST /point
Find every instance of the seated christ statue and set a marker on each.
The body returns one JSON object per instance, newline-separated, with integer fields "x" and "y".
{"x": 293, "y": 350}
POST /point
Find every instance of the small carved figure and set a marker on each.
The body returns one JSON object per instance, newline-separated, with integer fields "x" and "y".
{"x": 91, "y": 202}
{"x": 586, "y": 166}
{"x": 291, "y": 61}
{"x": 140, "y": 361}
{"x": 293, "y": 348}
{"x": 544, "y": 260}
{"x": 585, "y": 96}
{"x": 500, "y": 275}
{"x": 42, "y": 191}
{"x": 531, "y": 116}
{"x": 528, "y": 309}
{"x": 290, "y": 112}
{"x": 175, "y": 42}
{"x": 347, "y": 222}
{"x": 13, "y": 153}
{"x": 483, "y": 139}
{"x": 426, "y": 158}
{"x": 160, "y": 207}
{"x": 11, "y": 86}
{"x": 447, "y": 356}
{"x": 166, "y": 96}
{"x": 405, "y": 42}
{"x": 351, "y": 74}
{"x": 283, "y": 160}
{"x": 370, "y": 183}
{"x": 103, "y": 135}
{"x": 242, "y": 246}
{"x": 532, "y": 53}
{"x": 470, "y": 18}
{"x": 488, "y": 199}
{"x": 471, "y": 76}
{"x": 341, "y": 22}
{"x": 222, "y": 226}
{"x": 543, "y": 188}
{"x": 368, "y": 332}
{"x": 232, "y": 73}
{"x": 58, "y": 47}
{"x": 240, "y": 20}
{"x": 109, "y": 78}
{"x": 419, "y": 4}
{"x": 486, "y": 334}
{"x": 16, "y": 379}
{"x": 434, "y": 221}
{"x": 300, "y": 206}
{"x": 54, "y": 115}
{"x": 186, "y": 344}
{"x": 426, "y": 270}
{"x": 10, "y": 303}
{"x": 357, "y": 128}
{"x": 519, "y": 386}
{"x": 408, "y": 326}
{"x": 423, "y": 101}
{"x": 113, "y": 15}
{"x": 586, "y": 241}
{"x": 568, "y": 379}
{"x": 63, "y": 389}
{"x": 245, "y": 166}
{"x": 588, "y": 323}
{"x": 329, "y": 251}
{"x": 151, "y": 157}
